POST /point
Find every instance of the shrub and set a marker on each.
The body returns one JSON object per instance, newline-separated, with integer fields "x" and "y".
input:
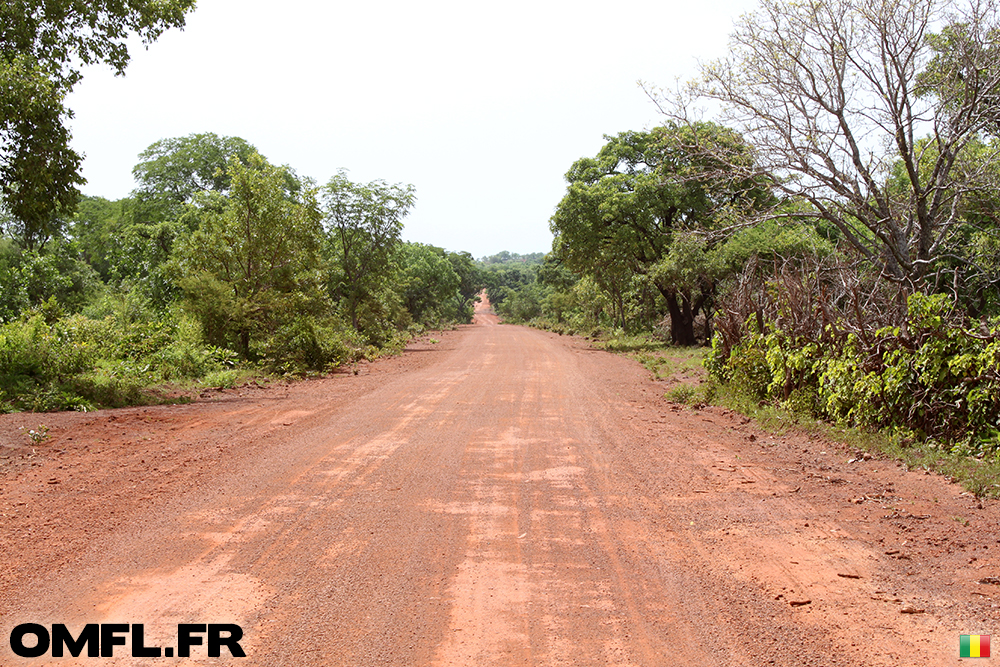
{"x": 82, "y": 363}
{"x": 312, "y": 343}
{"x": 930, "y": 374}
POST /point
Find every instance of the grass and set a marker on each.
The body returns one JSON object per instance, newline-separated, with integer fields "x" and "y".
{"x": 663, "y": 360}
{"x": 231, "y": 377}
{"x": 630, "y": 343}
{"x": 681, "y": 368}
{"x": 682, "y": 393}
{"x": 677, "y": 364}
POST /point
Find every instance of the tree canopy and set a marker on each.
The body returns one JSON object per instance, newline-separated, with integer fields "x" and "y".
{"x": 43, "y": 46}
{"x": 172, "y": 171}
{"x": 364, "y": 223}
{"x": 256, "y": 262}
{"x": 61, "y": 35}
{"x": 643, "y": 199}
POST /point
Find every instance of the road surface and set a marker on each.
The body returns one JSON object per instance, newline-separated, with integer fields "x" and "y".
{"x": 499, "y": 496}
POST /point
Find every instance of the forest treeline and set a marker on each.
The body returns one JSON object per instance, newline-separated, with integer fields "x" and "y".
{"x": 836, "y": 242}
{"x": 218, "y": 262}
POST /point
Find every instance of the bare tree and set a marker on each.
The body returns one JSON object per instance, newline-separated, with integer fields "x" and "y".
{"x": 865, "y": 108}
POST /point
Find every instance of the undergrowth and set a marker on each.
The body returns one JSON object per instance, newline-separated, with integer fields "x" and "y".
{"x": 908, "y": 374}
{"x": 78, "y": 363}
{"x": 116, "y": 358}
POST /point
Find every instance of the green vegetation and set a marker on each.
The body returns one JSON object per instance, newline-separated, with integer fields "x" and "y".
{"x": 897, "y": 332}
{"x": 220, "y": 265}
{"x": 932, "y": 378}
{"x": 645, "y": 219}
{"x": 979, "y": 475}
{"x": 82, "y": 363}
{"x": 217, "y": 266}
{"x": 859, "y": 110}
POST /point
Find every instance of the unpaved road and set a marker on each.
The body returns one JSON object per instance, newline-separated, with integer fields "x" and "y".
{"x": 503, "y": 496}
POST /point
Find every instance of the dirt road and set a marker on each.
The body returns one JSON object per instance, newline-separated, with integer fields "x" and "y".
{"x": 501, "y": 496}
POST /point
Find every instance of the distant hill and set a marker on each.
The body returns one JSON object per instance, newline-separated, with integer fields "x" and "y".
{"x": 505, "y": 257}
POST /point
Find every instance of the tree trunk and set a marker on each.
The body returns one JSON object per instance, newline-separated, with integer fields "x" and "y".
{"x": 681, "y": 318}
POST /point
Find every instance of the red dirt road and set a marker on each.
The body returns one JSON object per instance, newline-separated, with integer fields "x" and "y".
{"x": 502, "y": 497}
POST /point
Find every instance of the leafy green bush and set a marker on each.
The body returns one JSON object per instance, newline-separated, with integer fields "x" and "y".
{"x": 33, "y": 357}
{"x": 81, "y": 363}
{"x": 312, "y": 343}
{"x": 748, "y": 367}
{"x": 934, "y": 378}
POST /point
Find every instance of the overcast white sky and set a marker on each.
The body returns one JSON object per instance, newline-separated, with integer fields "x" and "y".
{"x": 482, "y": 107}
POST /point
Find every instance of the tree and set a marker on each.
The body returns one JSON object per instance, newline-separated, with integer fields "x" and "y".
{"x": 96, "y": 229}
{"x": 507, "y": 257}
{"x": 498, "y": 279}
{"x": 43, "y": 44}
{"x": 428, "y": 284}
{"x": 955, "y": 74}
{"x": 255, "y": 263}
{"x": 835, "y": 95}
{"x": 39, "y": 172}
{"x": 171, "y": 172}
{"x": 469, "y": 276}
{"x": 625, "y": 210}
{"x": 966, "y": 265}
{"x": 178, "y": 180}
{"x": 364, "y": 223}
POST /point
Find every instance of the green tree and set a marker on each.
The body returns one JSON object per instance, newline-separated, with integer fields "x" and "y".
{"x": 645, "y": 193}
{"x": 56, "y": 280}
{"x": 966, "y": 264}
{"x": 96, "y": 228}
{"x": 43, "y": 45}
{"x": 507, "y": 257}
{"x": 171, "y": 172}
{"x": 428, "y": 283}
{"x": 39, "y": 172}
{"x": 470, "y": 281}
{"x": 499, "y": 278}
{"x": 255, "y": 263}
{"x": 13, "y": 295}
{"x": 956, "y": 75}
{"x": 177, "y": 181}
{"x": 364, "y": 223}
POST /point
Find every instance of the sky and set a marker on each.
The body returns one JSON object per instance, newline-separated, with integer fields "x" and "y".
{"x": 482, "y": 107}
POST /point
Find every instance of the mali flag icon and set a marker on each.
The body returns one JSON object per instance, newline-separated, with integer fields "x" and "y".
{"x": 974, "y": 646}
